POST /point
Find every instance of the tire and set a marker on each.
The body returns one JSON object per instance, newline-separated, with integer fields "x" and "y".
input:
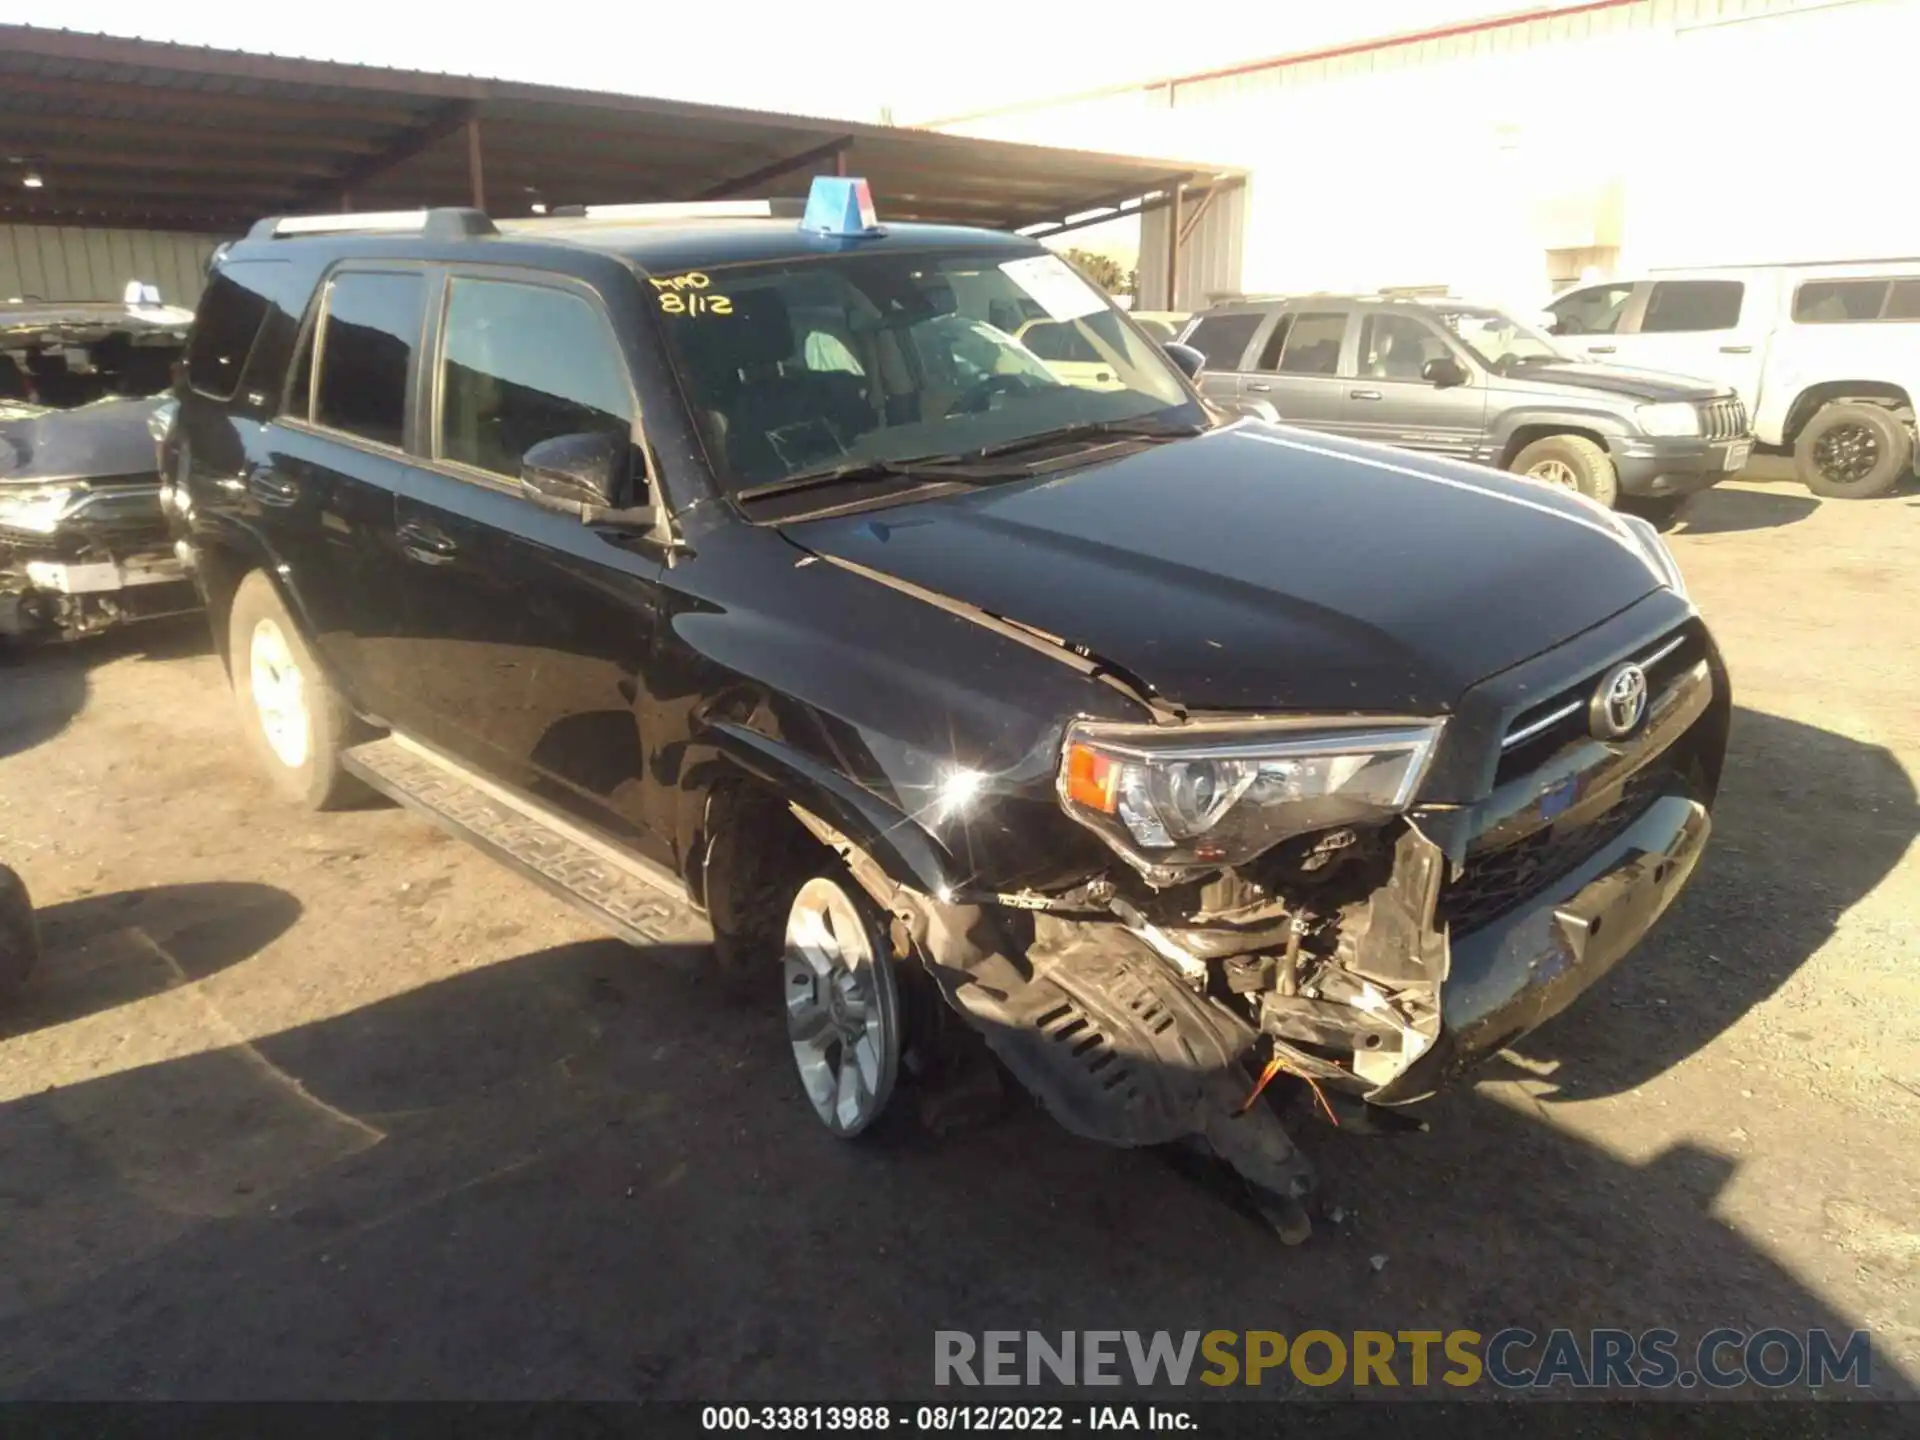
{"x": 19, "y": 943}
{"x": 846, "y": 1022}
{"x": 1852, "y": 451}
{"x": 296, "y": 722}
{"x": 1572, "y": 462}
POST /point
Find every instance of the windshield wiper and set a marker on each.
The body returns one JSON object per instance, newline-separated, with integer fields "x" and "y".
{"x": 927, "y": 467}
{"x": 1135, "y": 429}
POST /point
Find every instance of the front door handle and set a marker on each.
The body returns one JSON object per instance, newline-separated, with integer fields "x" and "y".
{"x": 1736, "y": 349}
{"x": 1363, "y": 394}
{"x": 1600, "y": 349}
{"x": 426, "y": 544}
{"x": 1262, "y": 386}
{"x": 270, "y": 487}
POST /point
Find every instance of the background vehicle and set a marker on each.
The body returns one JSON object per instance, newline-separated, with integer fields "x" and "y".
{"x": 1473, "y": 383}
{"x": 83, "y": 542}
{"x": 1161, "y": 325}
{"x": 19, "y": 945}
{"x": 928, "y": 686}
{"x": 1825, "y": 357}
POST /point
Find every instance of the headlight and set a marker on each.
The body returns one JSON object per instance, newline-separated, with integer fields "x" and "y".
{"x": 1677, "y": 418}
{"x": 1655, "y": 549}
{"x": 1170, "y": 803}
{"x": 37, "y": 511}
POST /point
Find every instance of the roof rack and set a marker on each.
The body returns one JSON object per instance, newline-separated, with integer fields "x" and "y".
{"x": 444, "y": 223}
{"x": 683, "y": 210}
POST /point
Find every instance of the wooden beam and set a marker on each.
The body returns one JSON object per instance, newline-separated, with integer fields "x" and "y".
{"x": 63, "y": 163}
{"x": 210, "y": 102}
{"x": 212, "y": 136}
{"x": 832, "y": 150}
{"x": 475, "y": 173}
{"x": 444, "y": 122}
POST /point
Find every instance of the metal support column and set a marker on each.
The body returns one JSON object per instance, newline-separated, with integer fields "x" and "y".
{"x": 475, "y": 172}
{"x": 1173, "y": 247}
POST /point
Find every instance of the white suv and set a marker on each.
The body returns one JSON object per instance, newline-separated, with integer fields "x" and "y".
{"x": 1827, "y": 357}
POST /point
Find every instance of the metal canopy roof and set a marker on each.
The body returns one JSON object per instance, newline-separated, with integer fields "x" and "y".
{"x": 159, "y": 136}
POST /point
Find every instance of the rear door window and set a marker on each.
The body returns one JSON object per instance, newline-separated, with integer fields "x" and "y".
{"x": 368, "y": 339}
{"x": 524, "y": 364}
{"x": 1224, "y": 339}
{"x": 1685, "y": 305}
{"x": 1313, "y": 344}
{"x": 227, "y": 323}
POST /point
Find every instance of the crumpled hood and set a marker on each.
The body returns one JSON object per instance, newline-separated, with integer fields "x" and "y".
{"x": 107, "y": 439}
{"x": 1263, "y": 568}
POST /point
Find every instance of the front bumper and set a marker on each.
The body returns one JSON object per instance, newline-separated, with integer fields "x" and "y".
{"x": 110, "y": 560}
{"x": 1657, "y": 469}
{"x": 1526, "y": 967}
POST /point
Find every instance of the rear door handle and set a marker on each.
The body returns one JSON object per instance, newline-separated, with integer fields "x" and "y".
{"x": 1262, "y": 386}
{"x": 1736, "y": 349}
{"x": 270, "y": 487}
{"x": 1600, "y": 349}
{"x": 426, "y": 544}
{"x": 1363, "y": 394}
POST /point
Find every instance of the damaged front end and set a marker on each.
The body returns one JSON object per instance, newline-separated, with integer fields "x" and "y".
{"x": 1350, "y": 907}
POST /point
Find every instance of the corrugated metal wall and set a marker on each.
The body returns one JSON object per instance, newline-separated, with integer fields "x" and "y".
{"x": 61, "y": 262}
{"x": 1210, "y": 254}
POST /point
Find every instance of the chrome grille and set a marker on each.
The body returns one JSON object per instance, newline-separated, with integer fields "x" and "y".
{"x": 1723, "y": 419}
{"x": 1542, "y": 730}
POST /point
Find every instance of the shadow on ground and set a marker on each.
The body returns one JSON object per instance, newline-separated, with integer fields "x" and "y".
{"x": 1722, "y": 510}
{"x": 43, "y": 687}
{"x": 579, "y": 1173}
{"x": 103, "y": 951}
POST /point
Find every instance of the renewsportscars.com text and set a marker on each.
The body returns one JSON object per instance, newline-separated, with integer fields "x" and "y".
{"x": 1513, "y": 1359}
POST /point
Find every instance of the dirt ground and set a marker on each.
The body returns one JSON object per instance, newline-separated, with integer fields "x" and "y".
{"x": 333, "y": 1107}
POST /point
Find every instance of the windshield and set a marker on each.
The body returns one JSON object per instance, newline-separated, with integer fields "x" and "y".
{"x": 1497, "y": 339}
{"x": 827, "y": 361}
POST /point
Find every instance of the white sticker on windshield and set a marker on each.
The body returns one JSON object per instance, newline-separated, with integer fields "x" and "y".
{"x": 1056, "y": 286}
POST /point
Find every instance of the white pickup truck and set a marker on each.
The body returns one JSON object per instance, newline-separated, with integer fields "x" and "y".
{"x": 1827, "y": 356}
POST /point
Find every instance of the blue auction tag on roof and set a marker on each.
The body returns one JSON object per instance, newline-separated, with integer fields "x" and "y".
{"x": 840, "y": 205}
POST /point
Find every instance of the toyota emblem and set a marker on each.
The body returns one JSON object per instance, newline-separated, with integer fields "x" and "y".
{"x": 1620, "y": 704}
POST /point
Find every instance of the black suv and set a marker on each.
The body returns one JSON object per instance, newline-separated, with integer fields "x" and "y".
{"x": 1473, "y": 383}
{"x": 739, "y": 575}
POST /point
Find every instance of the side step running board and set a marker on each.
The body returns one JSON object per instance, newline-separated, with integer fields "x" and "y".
{"x": 631, "y": 897}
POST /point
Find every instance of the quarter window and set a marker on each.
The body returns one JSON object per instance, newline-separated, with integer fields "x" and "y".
{"x": 1843, "y": 302}
{"x": 1313, "y": 344}
{"x": 1679, "y": 305}
{"x": 372, "y": 330}
{"x": 1223, "y": 339}
{"x": 523, "y": 364}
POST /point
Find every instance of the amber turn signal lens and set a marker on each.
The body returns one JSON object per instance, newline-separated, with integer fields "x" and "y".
{"x": 1092, "y": 779}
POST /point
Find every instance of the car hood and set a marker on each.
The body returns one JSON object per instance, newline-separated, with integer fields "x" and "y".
{"x": 108, "y": 439}
{"x": 1261, "y": 568}
{"x": 1644, "y": 385}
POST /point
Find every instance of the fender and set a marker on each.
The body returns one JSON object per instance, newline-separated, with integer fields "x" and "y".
{"x": 1560, "y": 417}
{"x": 896, "y": 842}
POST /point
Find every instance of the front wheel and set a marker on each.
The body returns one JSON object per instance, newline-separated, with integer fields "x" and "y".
{"x": 1571, "y": 462}
{"x": 1852, "y": 451}
{"x": 844, "y": 1017}
{"x": 297, "y": 723}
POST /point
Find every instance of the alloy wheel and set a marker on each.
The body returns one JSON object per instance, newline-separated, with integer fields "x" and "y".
{"x": 843, "y": 1009}
{"x": 1556, "y": 472}
{"x": 1847, "y": 454}
{"x": 279, "y": 694}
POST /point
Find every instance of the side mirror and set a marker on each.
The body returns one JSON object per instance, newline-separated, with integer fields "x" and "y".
{"x": 1444, "y": 373}
{"x": 575, "y": 469}
{"x": 1190, "y": 360}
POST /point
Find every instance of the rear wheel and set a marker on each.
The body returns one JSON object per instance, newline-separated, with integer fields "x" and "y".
{"x": 296, "y": 722}
{"x": 1852, "y": 451}
{"x": 844, "y": 1017}
{"x": 1571, "y": 462}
